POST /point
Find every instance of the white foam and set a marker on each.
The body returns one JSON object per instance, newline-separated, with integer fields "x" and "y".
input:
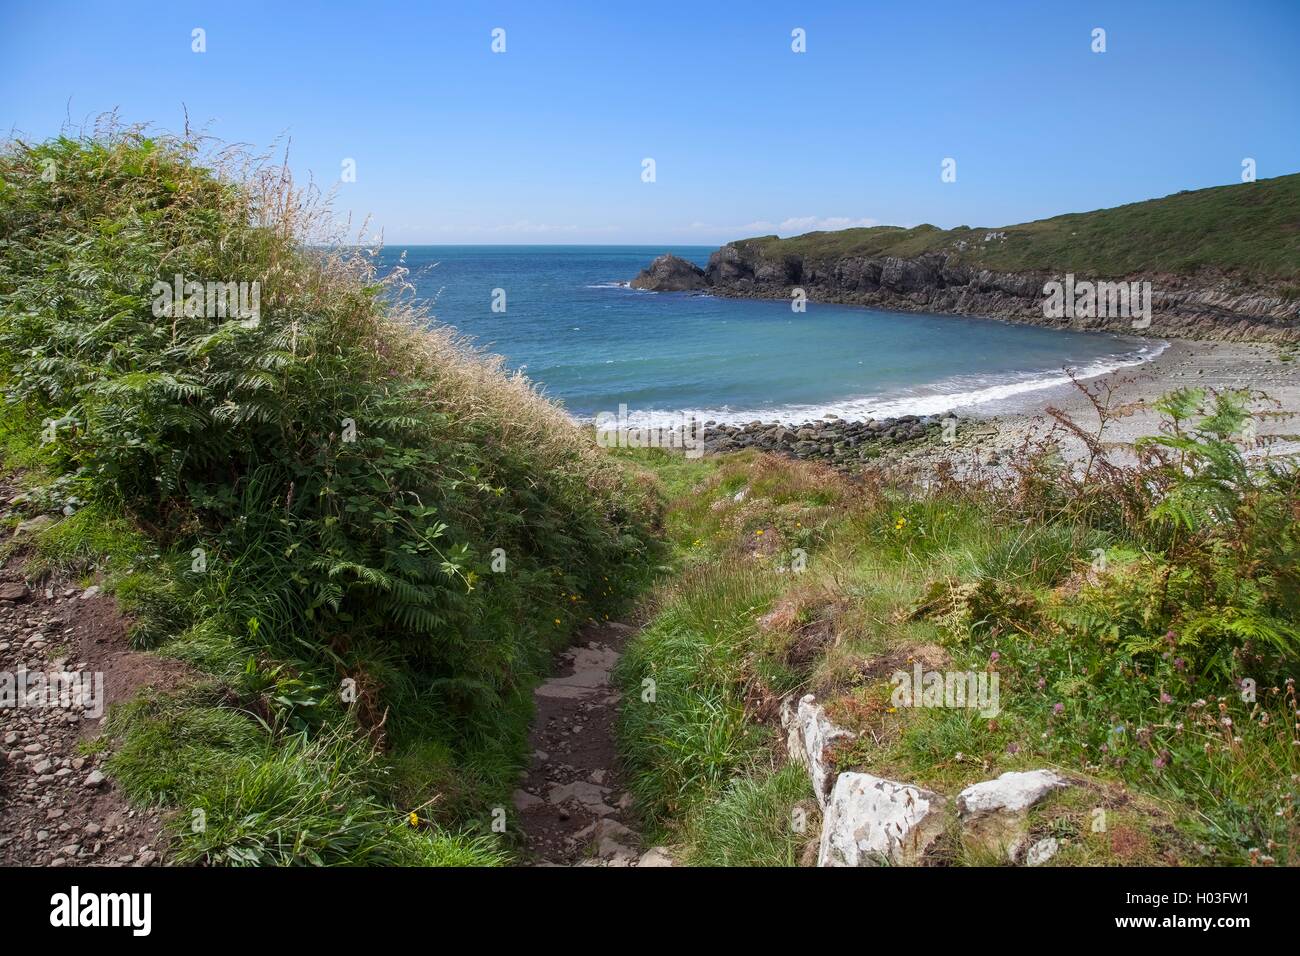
{"x": 950, "y": 395}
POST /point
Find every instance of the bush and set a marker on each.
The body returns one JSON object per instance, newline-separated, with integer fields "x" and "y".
{"x": 326, "y": 479}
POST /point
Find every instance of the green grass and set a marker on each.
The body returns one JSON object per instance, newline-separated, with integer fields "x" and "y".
{"x": 1123, "y": 675}
{"x": 766, "y": 819}
{"x": 334, "y": 587}
{"x": 1247, "y": 230}
{"x": 244, "y": 798}
{"x": 684, "y": 708}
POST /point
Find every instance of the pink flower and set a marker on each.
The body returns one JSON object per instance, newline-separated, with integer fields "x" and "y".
{"x": 1058, "y": 708}
{"x": 994, "y": 657}
{"x": 1165, "y": 698}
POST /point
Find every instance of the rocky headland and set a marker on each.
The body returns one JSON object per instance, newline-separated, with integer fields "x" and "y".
{"x": 1204, "y": 306}
{"x": 1221, "y": 263}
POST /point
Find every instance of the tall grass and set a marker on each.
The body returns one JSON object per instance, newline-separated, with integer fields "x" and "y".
{"x": 1143, "y": 619}
{"x": 336, "y": 493}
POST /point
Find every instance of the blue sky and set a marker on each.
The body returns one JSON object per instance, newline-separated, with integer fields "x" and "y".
{"x": 545, "y": 142}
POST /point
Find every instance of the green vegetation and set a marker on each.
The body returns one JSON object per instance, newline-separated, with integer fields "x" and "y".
{"x": 302, "y": 503}
{"x": 1248, "y": 230}
{"x": 308, "y": 508}
{"x": 1121, "y": 608}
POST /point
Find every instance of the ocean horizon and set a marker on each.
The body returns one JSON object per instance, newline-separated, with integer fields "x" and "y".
{"x": 565, "y": 317}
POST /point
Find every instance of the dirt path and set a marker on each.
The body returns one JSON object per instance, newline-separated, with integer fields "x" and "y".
{"x": 572, "y": 805}
{"x": 64, "y": 658}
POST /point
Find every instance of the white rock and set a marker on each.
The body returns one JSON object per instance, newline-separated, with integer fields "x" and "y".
{"x": 994, "y": 813}
{"x": 870, "y": 821}
{"x": 655, "y": 856}
{"x": 809, "y": 737}
{"x": 1041, "y": 852}
{"x": 1012, "y": 792}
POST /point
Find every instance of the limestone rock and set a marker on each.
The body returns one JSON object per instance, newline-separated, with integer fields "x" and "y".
{"x": 994, "y": 813}
{"x": 810, "y": 734}
{"x": 871, "y": 821}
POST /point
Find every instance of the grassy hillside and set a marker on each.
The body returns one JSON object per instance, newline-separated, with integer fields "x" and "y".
{"x": 1121, "y": 610}
{"x": 1250, "y": 230}
{"x": 365, "y": 540}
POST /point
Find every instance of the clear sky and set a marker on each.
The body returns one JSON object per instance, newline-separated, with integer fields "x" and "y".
{"x": 545, "y": 142}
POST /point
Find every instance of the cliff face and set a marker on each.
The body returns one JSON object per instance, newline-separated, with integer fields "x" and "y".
{"x": 1201, "y": 306}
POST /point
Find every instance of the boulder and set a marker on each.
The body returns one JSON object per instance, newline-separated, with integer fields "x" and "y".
{"x": 871, "y": 821}
{"x": 809, "y": 734}
{"x": 994, "y": 813}
{"x": 670, "y": 273}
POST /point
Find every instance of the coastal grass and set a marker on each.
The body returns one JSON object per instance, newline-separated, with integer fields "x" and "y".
{"x": 364, "y": 538}
{"x": 1246, "y": 230}
{"x": 1141, "y": 621}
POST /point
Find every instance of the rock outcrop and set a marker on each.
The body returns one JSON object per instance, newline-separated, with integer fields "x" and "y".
{"x": 1200, "y": 306}
{"x": 810, "y": 733}
{"x": 994, "y": 813}
{"x": 670, "y": 273}
{"x": 871, "y": 821}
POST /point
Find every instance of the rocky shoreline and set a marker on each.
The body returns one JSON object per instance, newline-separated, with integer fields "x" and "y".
{"x": 1203, "y": 307}
{"x": 831, "y": 439}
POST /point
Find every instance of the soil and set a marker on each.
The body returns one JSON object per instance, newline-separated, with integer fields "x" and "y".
{"x": 57, "y": 806}
{"x": 572, "y": 803}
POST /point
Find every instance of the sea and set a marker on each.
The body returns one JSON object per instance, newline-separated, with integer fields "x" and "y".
{"x": 565, "y": 316}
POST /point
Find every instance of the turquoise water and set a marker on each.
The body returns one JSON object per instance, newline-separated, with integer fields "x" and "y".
{"x": 592, "y": 343}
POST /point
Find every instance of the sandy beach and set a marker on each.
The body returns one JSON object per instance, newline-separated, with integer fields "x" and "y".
{"x": 989, "y": 433}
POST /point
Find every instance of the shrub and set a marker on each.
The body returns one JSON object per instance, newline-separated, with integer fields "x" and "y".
{"x": 324, "y": 480}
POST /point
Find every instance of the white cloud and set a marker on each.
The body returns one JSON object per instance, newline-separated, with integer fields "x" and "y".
{"x": 528, "y": 227}
{"x": 793, "y": 226}
{"x": 830, "y": 223}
